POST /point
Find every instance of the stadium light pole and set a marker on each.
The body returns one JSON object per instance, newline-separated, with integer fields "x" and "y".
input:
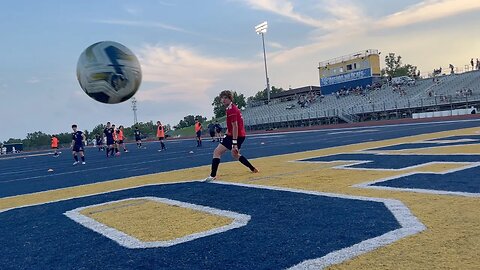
{"x": 134, "y": 108}
{"x": 261, "y": 29}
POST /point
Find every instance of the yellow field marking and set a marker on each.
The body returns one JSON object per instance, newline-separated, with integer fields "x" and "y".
{"x": 151, "y": 221}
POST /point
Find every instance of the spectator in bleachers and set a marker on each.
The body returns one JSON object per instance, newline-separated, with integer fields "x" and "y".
{"x": 451, "y": 69}
{"x": 471, "y": 62}
{"x": 478, "y": 64}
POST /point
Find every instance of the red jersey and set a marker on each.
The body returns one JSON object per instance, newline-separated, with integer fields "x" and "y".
{"x": 54, "y": 142}
{"x": 234, "y": 115}
{"x": 198, "y": 127}
{"x": 160, "y": 132}
{"x": 120, "y": 135}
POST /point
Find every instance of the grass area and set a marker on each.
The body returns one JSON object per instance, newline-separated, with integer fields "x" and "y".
{"x": 190, "y": 131}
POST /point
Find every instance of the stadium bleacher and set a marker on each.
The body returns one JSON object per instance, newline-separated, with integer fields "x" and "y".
{"x": 425, "y": 94}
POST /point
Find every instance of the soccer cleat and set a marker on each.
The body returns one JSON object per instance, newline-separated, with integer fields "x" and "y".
{"x": 209, "y": 179}
{"x": 83, "y": 163}
{"x": 255, "y": 170}
{"x": 126, "y": 151}
{"x": 159, "y": 150}
{"x": 75, "y": 163}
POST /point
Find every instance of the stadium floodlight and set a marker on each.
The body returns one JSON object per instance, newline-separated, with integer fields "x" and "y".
{"x": 134, "y": 108}
{"x": 261, "y": 29}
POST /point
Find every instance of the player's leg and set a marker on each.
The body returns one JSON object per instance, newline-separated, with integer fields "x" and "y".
{"x": 217, "y": 154}
{"x": 212, "y": 135}
{"x": 242, "y": 159}
{"x": 75, "y": 157}
{"x": 117, "y": 149}
{"x": 162, "y": 145}
{"x": 82, "y": 156}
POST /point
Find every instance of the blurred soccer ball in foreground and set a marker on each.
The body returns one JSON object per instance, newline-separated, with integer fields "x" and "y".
{"x": 109, "y": 72}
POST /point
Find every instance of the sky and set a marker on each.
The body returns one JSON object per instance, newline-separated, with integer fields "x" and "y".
{"x": 191, "y": 50}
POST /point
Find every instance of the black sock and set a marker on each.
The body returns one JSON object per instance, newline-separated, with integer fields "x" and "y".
{"x": 215, "y": 163}
{"x": 76, "y": 158}
{"x": 83, "y": 159}
{"x": 112, "y": 151}
{"x": 245, "y": 162}
{"x": 163, "y": 145}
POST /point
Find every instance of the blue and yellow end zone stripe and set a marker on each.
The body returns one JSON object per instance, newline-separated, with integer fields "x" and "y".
{"x": 438, "y": 182}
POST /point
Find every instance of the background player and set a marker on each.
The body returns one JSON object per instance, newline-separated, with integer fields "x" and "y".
{"x": 161, "y": 135}
{"x": 121, "y": 139}
{"x": 116, "y": 132}
{"x": 138, "y": 137}
{"x": 99, "y": 141}
{"x": 77, "y": 145}
{"x": 198, "y": 132}
{"x": 218, "y": 131}
{"x": 211, "y": 130}
{"x": 108, "y": 134}
{"x": 54, "y": 145}
{"x": 235, "y": 136}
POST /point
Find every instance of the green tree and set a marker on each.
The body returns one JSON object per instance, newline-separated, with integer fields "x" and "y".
{"x": 201, "y": 118}
{"x": 13, "y": 140}
{"x": 263, "y": 95}
{"x": 98, "y": 129}
{"x": 36, "y": 139}
{"x": 189, "y": 120}
{"x": 64, "y": 138}
{"x": 219, "y": 109}
{"x": 395, "y": 68}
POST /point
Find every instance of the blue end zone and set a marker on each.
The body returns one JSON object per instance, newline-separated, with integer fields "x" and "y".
{"x": 286, "y": 228}
{"x": 467, "y": 180}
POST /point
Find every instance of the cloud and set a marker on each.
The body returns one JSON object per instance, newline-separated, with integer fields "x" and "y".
{"x": 427, "y": 11}
{"x": 275, "y": 45}
{"x": 284, "y": 8}
{"x": 180, "y": 73}
{"x": 344, "y": 21}
{"x": 133, "y": 10}
{"x": 163, "y": 3}
{"x": 143, "y": 24}
{"x": 33, "y": 80}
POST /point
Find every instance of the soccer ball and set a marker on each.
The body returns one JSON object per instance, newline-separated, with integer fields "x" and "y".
{"x": 109, "y": 72}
